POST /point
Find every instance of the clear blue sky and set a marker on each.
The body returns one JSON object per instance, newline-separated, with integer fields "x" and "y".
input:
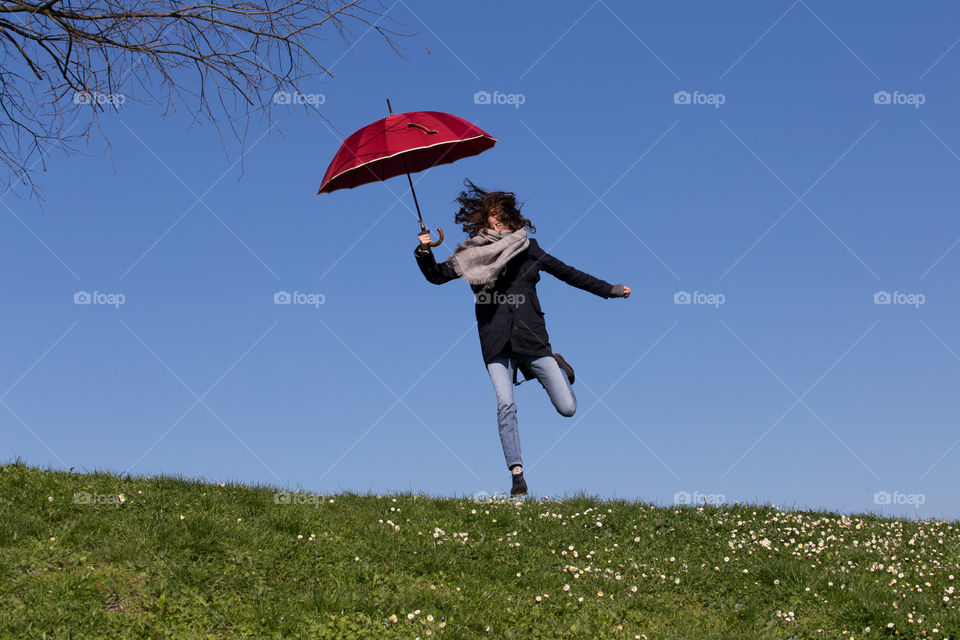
{"x": 797, "y": 199}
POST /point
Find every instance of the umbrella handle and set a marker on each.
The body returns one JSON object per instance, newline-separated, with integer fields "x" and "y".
{"x": 423, "y": 229}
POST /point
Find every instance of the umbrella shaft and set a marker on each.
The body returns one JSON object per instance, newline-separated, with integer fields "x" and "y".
{"x": 409, "y": 179}
{"x": 416, "y": 204}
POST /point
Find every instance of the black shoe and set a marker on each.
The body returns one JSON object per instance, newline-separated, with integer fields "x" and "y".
{"x": 519, "y": 487}
{"x": 564, "y": 366}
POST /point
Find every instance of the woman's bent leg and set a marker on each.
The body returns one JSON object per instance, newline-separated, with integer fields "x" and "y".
{"x": 501, "y": 374}
{"x": 556, "y": 383}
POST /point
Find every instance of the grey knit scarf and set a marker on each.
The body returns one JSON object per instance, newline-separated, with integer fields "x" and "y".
{"x": 481, "y": 259}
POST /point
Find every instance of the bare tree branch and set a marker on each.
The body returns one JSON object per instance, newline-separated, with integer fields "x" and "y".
{"x": 63, "y": 62}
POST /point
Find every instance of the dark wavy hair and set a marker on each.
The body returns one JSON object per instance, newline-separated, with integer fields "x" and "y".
{"x": 476, "y": 205}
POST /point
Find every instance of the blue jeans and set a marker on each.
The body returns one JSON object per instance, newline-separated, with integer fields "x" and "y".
{"x": 554, "y": 381}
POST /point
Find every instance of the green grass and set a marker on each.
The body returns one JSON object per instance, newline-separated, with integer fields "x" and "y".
{"x": 177, "y": 558}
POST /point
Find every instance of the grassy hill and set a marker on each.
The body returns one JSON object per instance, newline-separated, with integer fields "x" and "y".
{"x": 100, "y": 556}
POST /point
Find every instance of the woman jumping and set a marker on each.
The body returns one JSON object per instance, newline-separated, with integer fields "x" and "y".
{"x": 502, "y": 266}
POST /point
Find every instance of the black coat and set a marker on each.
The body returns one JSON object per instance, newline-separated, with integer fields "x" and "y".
{"x": 509, "y": 316}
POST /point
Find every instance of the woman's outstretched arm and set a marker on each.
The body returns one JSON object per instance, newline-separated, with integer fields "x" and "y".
{"x": 433, "y": 272}
{"x": 574, "y": 277}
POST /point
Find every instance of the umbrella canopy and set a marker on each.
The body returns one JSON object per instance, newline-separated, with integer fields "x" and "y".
{"x": 403, "y": 143}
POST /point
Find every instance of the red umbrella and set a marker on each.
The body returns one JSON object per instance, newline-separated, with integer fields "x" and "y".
{"x": 404, "y": 143}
